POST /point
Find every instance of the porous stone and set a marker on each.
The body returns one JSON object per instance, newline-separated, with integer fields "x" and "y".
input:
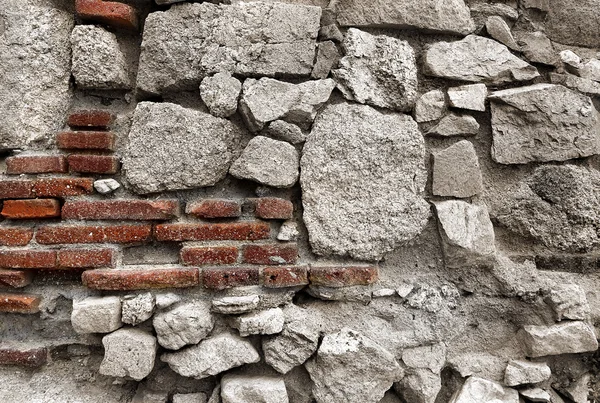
{"x": 476, "y": 59}
{"x": 431, "y": 357}
{"x": 98, "y": 62}
{"x": 569, "y": 23}
{"x": 190, "y": 398}
{"x": 430, "y": 106}
{"x": 568, "y": 302}
{"x": 500, "y": 31}
{"x": 106, "y": 186}
{"x": 235, "y": 305}
{"x": 267, "y": 161}
{"x": 471, "y": 97}
{"x": 263, "y": 322}
{"x": 185, "y": 324}
{"x": 537, "y": 48}
{"x": 455, "y": 125}
{"x": 137, "y": 308}
{"x": 245, "y": 39}
{"x": 419, "y": 385}
{"x": 220, "y": 94}
{"x": 245, "y": 388}
{"x": 378, "y": 70}
{"x": 327, "y": 57}
{"x": 562, "y": 338}
{"x": 349, "y": 210}
{"x": 543, "y": 122}
{"x": 201, "y": 156}
{"x": 282, "y": 130}
{"x": 535, "y": 395}
{"x": 212, "y": 356}
{"x": 520, "y": 372}
{"x": 467, "y": 233}
{"x": 128, "y": 353}
{"x": 477, "y": 390}
{"x": 456, "y": 171}
{"x": 298, "y": 342}
{"x": 166, "y": 300}
{"x": 288, "y": 231}
{"x": 96, "y": 315}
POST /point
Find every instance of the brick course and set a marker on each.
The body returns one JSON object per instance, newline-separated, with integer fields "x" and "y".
{"x": 85, "y": 258}
{"x": 343, "y": 276}
{"x": 19, "y": 303}
{"x": 15, "y": 278}
{"x": 237, "y": 231}
{"x": 26, "y": 357}
{"x": 28, "y": 259}
{"x": 80, "y": 140}
{"x": 280, "y": 277}
{"x": 209, "y": 255}
{"x": 215, "y": 208}
{"x": 96, "y": 164}
{"x": 140, "y": 279}
{"x": 59, "y": 234}
{"x": 36, "y": 164}
{"x": 111, "y": 13}
{"x": 31, "y": 208}
{"x": 15, "y": 236}
{"x": 271, "y": 254}
{"x": 223, "y": 278}
{"x": 273, "y": 208}
{"x": 86, "y": 119}
{"x": 121, "y": 210}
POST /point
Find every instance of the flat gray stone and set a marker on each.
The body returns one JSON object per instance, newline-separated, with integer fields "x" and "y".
{"x": 537, "y": 48}
{"x": 455, "y": 125}
{"x": 477, "y": 390}
{"x": 128, "y": 353}
{"x": 568, "y": 302}
{"x": 188, "y": 323}
{"x": 431, "y": 357}
{"x": 456, "y": 171}
{"x": 520, "y": 372}
{"x": 430, "y": 106}
{"x": 281, "y": 130}
{"x": 298, "y": 342}
{"x": 220, "y": 94}
{"x": 535, "y": 395}
{"x": 580, "y": 84}
{"x": 471, "y": 97}
{"x": 500, "y": 31}
{"x": 235, "y": 305}
{"x": 570, "y": 23}
{"x": 269, "y": 321}
{"x": 562, "y": 338}
{"x": 137, "y": 308}
{"x": 96, "y": 315}
{"x": 246, "y": 389}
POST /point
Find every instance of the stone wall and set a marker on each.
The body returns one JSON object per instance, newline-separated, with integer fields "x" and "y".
{"x": 299, "y": 201}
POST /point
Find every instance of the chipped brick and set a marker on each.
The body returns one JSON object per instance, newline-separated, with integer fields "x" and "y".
{"x": 31, "y": 208}
{"x": 15, "y": 189}
{"x": 96, "y": 164}
{"x": 59, "y": 234}
{"x": 26, "y": 357}
{"x": 121, "y": 210}
{"x": 101, "y": 141}
{"x": 220, "y": 279}
{"x": 111, "y": 13}
{"x": 215, "y": 208}
{"x": 271, "y": 254}
{"x": 15, "y": 236}
{"x": 86, "y": 119}
{"x": 63, "y": 187}
{"x": 342, "y": 276}
{"x": 237, "y": 231}
{"x": 36, "y": 164}
{"x": 281, "y": 277}
{"x": 19, "y": 303}
{"x": 84, "y": 258}
{"x": 140, "y": 279}
{"x": 273, "y": 208}
{"x": 206, "y": 255}
{"x": 15, "y": 278}
{"x": 28, "y": 259}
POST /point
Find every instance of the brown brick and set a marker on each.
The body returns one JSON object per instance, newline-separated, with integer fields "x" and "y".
{"x": 206, "y": 255}
{"x": 95, "y": 164}
{"x": 15, "y": 236}
{"x": 220, "y": 279}
{"x": 107, "y": 12}
{"x": 15, "y": 278}
{"x": 60, "y": 234}
{"x": 26, "y": 357}
{"x": 31, "y": 208}
{"x": 342, "y": 276}
{"x": 236, "y": 231}
{"x": 280, "y": 277}
{"x": 102, "y": 141}
{"x": 84, "y": 258}
{"x": 28, "y": 259}
{"x": 19, "y": 303}
{"x": 85, "y": 119}
{"x": 15, "y": 189}
{"x": 63, "y": 187}
{"x": 271, "y": 254}
{"x": 215, "y": 208}
{"x": 36, "y": 164}
{"x": 141, "y": 279}
{"x": 273, "y": 208}
{"x": 121, "y": 210}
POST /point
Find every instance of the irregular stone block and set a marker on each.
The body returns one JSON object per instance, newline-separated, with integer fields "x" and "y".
{"x": 456, "y": 171}
{"x": 220, "y": 94}
{"x": 561, "y": 338}
{"x": 455, "y": 125}
{"x": 327, "y": 57}
{"x": 569, "y": 23}
{"x": 96, "y": 315}
{"x": 520, "y": 372}
{"x": 128, "y": 353}
{"x": 471, "y": 97}
{"x": 419, "y": 385}
{"x": 535, "y": 395}
{"x": 537, "y": 48}
{"x": 292, "y": 347}
{"x": 500, "y": 31}
{"x": 431, "y": 357}
{"x": 263, "y": 322}
{"x": 281, "y": 130}
{"x": 244, "y": 389}
{"x": 185, "y": 324}
{"x": 137, "y": 308}
{"x": 477, "y": 390}
{"x": 235, "y": 305}
{"x": 430, "y": 106}
{"x": 568, "y": 302}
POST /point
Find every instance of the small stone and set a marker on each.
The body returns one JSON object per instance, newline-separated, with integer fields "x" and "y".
{"x": 568, "y": 302}
{"x": 571, "y": 61}
{"x": 430, "y": 106}
{"x": 220, "y": 94}
{"x": 562, "y": 338}
{"x": 471, "y": 97}
{"x": 455, "y": 125}
{"x": 500, "y": 31}
{"x": 579, "y": 390}
{"x": 591, "y": 70}
{"x": 478, "y": 390}
{"x": 245, "y": 389}
{"x": 519, "y": 372}
{"x": 482, "y": 11}
{"x": 456, "y": 171}
{"x": 235, "y": 305}
{"x": 185, "y": 324}
{"x": 419, "y": 385}
{"x": 166, "y": 300}
{"x": 384, "y": 292}
{"x": 128, "y": 353}
{"x": 431, "y": 357}
{"x": 327, "y": 57}
{"x": 535, "y": 395}
{"x": 288, "y": 231}
{"x": 292, "y": 347}
{"x": 263, "y": 322}
{"x": 281, "y": 130}
{"x": 215, "y": 396}
{"x": 537, "y": 48}
{"x": 106, "y": 186}
{"x": 190, "y": 398}
{"x": 331, "y": 32}
{"x": 137, "y": 308}
{"x": 404, "y": 290}
{"x": 359, "y": 293}
{"x": 96, "y": 315}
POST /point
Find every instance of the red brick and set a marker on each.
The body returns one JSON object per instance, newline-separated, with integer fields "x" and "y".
{"x": 29, "y": 357}
{"x": 13, "y": 189}
{"x": 85, "y": 119}
{"x": 62, "y": 187}
{"x": 84, "y": 258}
{"x": 272, "y": 254}
{"x": 209, "y": 255}
{"x": 95, "y": 164}
{"x": 280, "y": 277}
{"x": 121, "y": 210}
{"x": 50, "y": 235}
{"x": 237, "y": 231}
{"x": 31, "y": 208}
{"x": 141, "y": 279}
{"x": 15, "y": 236}
{"x": 19, "y": 303}
{"x": 15, "y": 278}
{"x": 220, "y": 279}
{"x": 28, "y": 259}
{"x": 107, "y": 12}
{"x": 36, "y": 164}
{"x": 102, "y": 141}
{"x": 215, "y": 208}
{"x": 273, "y": 208}
{"x": 343, "y": 276}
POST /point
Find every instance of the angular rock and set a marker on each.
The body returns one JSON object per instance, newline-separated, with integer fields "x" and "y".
{"x": 579, "y": 390}
{"x": 201, "y": 156}
{"x": 568, "y": 302}
{"x": 467, "y": 233}
{"x": 243, "y": 39}
{"x": 128, "y": 353}
{"x": 166, "y": 300}
{"x": 374, "y": 210}
{"x": 288, "y": 231}
{"x": 137, "y": 308}
{"x": 106, "y": 186}
{"x": 500, "y": 31}
{"x": 98, "y": 62}
{"x": 419, "y": 385}
{"x": 537, "y": 48}
{"x": 292, "y": 347}
{"x": 571, "y": 61}
{"x": 331, "y": 32}
{"x": 378, "y": 70}
{"x": 185, "y": 324}
{"x": 542, "y": 5}
{"x": 543, "y": 122}
{"x": 267, "y": 161}
{"x": 235, "y": 305}
{"x": 96, "y": 315}
{"x": 562, "y": 338}
{"x": 244, "y": 389}
{"x": 569, "y": 23}
{"x": 477, "y": 390}
{"x": 520, "y": 372}
{"x": 190, "y": 398}
{"x": 263, "y": 322}
{"x": 471, "y": 97}
{"x": 431, "y": 357}
{"x": 327, "y": 57}
{"x": 455, "y": 125}
{"x": 430, "y": 106}
{"x": 456, "y": 171}
{"x": 220, "y": 94}
{"x": 583, "y": 85}
{"x": 591, "y": 70}
{"x": 535, "y": 395}
{"x": 476, "y": 59}
{"x": 212, "y": 356}
{"x": 281, "y": 130}
{"x": 349, "y": 367}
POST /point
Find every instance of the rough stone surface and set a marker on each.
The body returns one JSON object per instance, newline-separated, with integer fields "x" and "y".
{"x": 187, "y": 323}
{"x": 378, "y": 70}
{"x": 220, "y": 94}
{"x": 137, "y": 308}
{"x": 106, "y": 186}
{"x": 201, "y": 156}
{"x": 263, "y": 322}
{"x": 471, "y": 97}
{"x": 500, "y": 31}
{"x": 455, "y": 125}
{"x": 563, "y": 338}
{"x": 537, "y": 48}
{"x": 535, "y": 395}
{"x": 190, "y": 398}
{"x": 96, "y": 315}
{"x": 431, "y": 357}
{"x": 430, "y": 106}
{"x": 579, "y": 390}
{"x": 570, "y": 23}
{"x": 456, "y": 171}
{"x": 419, "y": 385}
{"x": 476, "y": 390}
{"x": 327, "y": 57}
{"x": 244, "y": 389}
{"x": 349, "y": 210}
{"x": 235, "y": 305}
{"x": 128, "y": 353}
{"x": 281, "y": 130}
{"x": 520, "y": 372}
{"x": 298, "y": 341}
{"x": 568, "y": 302}
{"x": 288, "y": 231}
{"x": 543, "y": 122}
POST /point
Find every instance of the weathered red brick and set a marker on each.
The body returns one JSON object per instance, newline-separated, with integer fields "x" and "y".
{"x": 15, "y": 236}
{"x": 280, "y": 277}
{"x": 62, "y": 187}
{"x": 236, "y": 231}
{"x": 103, "y": 141}
{"x": 31, "y": 208}
{"x": 25, "y": 357}
{"x": 36, "y": 164}
{"x": 273, "y": 208}
{"x": 215, "y": 208}
{"x": 15, "y": 189}
{"x": 206, "y": 255}
{"x": 271, "y": 254}
{"x": 59, "y": 234}
{"x": 19, "y": 303}
{"x": 121, "y": 210}
{"x": 107, "y": 12}
{"x": 84, "y": 258}
{"x": 15, "y": 278}
{"x": 141, "y": 279}
{"x": 27, "y": 259}
{"x": 86, "y": 119}
{"x": 96, "y": 164}
{"x": 220, "y": 279}
{"x": 342, "y": 276}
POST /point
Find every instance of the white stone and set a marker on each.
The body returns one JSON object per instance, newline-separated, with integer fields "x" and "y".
{"x": 520, "y": 372}
{"x": 288, "y": 231}
{"x": 128, "y": 353}
{"x": 106, "y": 186}
{"x": 384, "y": 292}
{"x": 137, "y": 308}
{"x": 455, "y": 125}
{"x": 235, "y": 305}
{"x": 563, "y": 338}
{"x": 259, "y": 389}
{"x": 96, "y": 315}
{"x": 187, "y": 323}
{"x": 570, "y": 59}
{"x": 456, "y": 171}
{"x": 471, "y": 97}
{"x": 166, "y": 300}
{"x": 430, "y": 106}
{"x": 262, "y": 322}
{"x": 298, "y": 341}
{"x": 478, "y": 390}
{"x": 535, "y": 395}
{"x": 404, "y": 290}
{"x": 220, "y": 94}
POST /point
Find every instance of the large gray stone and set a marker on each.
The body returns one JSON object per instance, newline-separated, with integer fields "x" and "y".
{"x": 255, "y": 389}
{"x": 543, "y": 122}
{"x": 96, "y": 315}
{"x": 570, "y": 23}
{"x": 298, "y": 341}
{"x": 248, "y": 39}
{"x": 478, "y": 390}
{"x": 362, "y": 174}
{"x": 456, "y": 171}
{"x": 378, "y": 70}
{"x": 562, "y": 338}
{"x": 185, "y": 324}
{"x": 537, "y": 48}
{"x": 172, "y": 147}
{"x": 35, "y": 73}
{"x": 128, "y": 353}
